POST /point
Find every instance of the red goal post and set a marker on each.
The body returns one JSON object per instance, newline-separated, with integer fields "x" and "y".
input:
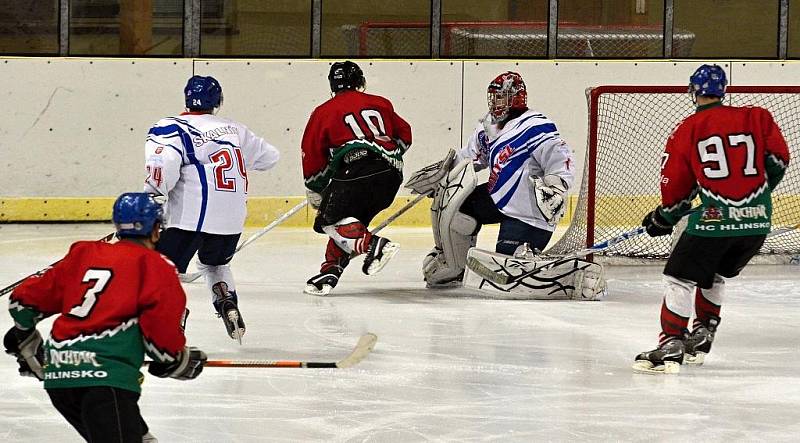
{"x": 628, "y": 129}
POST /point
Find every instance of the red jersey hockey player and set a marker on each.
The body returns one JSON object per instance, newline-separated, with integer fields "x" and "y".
{"x": 733, "y": 157}
{"x": 114, "y": 302}
{"x": 353, "y": 148}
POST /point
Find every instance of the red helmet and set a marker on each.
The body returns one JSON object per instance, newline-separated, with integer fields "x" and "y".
{"x": 506, "y": 92}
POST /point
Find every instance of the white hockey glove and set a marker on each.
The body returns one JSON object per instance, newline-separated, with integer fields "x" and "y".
{"x": 426, "y": 179}
{"x": 314, "y": 198}
{"x": 549, "y": 196}
{"x": 26, "y": 346}
{"x": 187, "y": 366}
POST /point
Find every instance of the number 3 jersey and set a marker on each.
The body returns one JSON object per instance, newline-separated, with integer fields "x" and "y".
{"x": 114, "y": 303}
{"x": 351, "y": 120}
{"x": 200, "y": 162}
{"x": 733, "y": 157}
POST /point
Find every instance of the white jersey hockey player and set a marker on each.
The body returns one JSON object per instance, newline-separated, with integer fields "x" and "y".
{"x": 200, "y": 161}
{"x": 530, "y": 172}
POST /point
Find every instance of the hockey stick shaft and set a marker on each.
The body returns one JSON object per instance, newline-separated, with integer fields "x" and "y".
{"x": 364, "y": 346}
{"x": 188, "y": 278}
{"x": 397, "y": 214}
{"x": 11, "y": 287}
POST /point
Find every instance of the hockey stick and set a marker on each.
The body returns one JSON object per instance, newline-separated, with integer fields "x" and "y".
{"x": 397, "y": 214}
{"x": 505, "y": 279}
{"x": 11, "y": 287}
{"x": 188, "y": 278}
{"x": 364, "y": 346}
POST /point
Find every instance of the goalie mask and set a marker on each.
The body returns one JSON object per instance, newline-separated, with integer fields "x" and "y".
{"x": 506, "y": 92}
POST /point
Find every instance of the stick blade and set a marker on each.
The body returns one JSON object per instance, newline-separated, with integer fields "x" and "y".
{"x": 364, "y": 346}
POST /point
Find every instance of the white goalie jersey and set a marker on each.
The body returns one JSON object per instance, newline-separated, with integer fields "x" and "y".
{"x": 200, "y": 163}
{"x": 527, "y": 146}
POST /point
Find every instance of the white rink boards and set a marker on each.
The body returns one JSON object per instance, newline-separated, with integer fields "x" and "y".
{"x": 445, "y": 368}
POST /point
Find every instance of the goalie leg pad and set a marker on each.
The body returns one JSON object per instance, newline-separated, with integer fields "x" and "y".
{"x": 534, "y": 279}
{"x": 453, "y": 231}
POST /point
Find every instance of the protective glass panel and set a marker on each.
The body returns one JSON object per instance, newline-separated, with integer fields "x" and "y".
{"x": 126, "y": 27}
{"x": 28, "y": 27}
{"x": 274, "y": 28}
{"x": 488, "y": 28}
{"x": 794, "y": 29}
{"x": 729, "y": 28}
{"x": 364, "y": 28}
{"x": 614, "y": 29}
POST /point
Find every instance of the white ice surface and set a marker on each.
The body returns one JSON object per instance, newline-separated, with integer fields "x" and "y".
{"x": 445, "y": 368}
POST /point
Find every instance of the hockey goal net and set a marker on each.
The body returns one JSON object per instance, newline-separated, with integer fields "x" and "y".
{"x": 628, "y": 129}
{"x": 513, "y": 39}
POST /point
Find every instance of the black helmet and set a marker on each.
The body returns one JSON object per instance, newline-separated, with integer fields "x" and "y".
{"x": 345, "y": 75}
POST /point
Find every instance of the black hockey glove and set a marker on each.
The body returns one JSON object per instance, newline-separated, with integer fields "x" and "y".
{"x": 187, "y": 366}
{"x": 655, "y": 223}
{"x": 26, "y": 346}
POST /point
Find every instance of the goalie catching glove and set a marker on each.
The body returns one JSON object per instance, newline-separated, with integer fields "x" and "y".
{"x": 188, "y": 365}
{"x": 26, "y": 346}
{"x": 427, "y": 179}
{"x": 656, "y": 224}
{"x": 549, "y": 194}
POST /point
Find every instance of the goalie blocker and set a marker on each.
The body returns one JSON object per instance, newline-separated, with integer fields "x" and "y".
{"x": 533, "y": 278}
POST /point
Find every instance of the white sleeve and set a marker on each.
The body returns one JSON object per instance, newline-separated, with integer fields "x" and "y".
{"x": 475, "y": 149}
{"x": 163, "y": 168}
{"x": 262, "y": 155}
{"x": 554, "y": 157}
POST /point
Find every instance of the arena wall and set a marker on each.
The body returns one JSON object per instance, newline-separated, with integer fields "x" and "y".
{"x": 73, "y": 130}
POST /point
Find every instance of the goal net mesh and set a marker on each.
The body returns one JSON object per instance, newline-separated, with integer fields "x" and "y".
{"x": 628, "y": 129}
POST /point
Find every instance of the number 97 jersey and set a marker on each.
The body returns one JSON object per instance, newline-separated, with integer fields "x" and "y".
{"x": 733, "y": 157}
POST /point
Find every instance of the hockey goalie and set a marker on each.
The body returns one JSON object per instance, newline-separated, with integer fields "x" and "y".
{"x": 530, "y": 172}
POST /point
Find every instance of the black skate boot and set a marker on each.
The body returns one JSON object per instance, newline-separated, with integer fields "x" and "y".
{"x": 379, "y": 252}
{"x": 666, "y": 359}
{"x": 226, "y": 304}
{"x": 699, "y": 342}
{"x": 322, "y": 283}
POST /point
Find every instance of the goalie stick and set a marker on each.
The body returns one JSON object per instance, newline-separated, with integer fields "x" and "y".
{"x": 12, "y": 286}
{"x": 364, "y": 346}
{"x": 504, "y": 279}
{"x": 188, "y": 278}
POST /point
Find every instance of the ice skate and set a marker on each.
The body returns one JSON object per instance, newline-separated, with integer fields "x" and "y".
{"x": 699, "y": 342}
{"x": 380, "y": 251}
{"x": 666, "y": 359}
{"x": 226, "y": 305}
{"x": 323, "y": 283}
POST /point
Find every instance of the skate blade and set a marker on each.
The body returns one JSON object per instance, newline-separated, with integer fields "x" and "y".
{"x": 646, "y": 367}
{"x": 389, "y": 251}
{"x": 312, "y": 290}
{"x": 696, "y": 360}
{"x": 236, "y": 333}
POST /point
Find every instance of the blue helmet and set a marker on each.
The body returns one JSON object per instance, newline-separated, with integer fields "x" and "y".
{"x": 135, "y": 213}
{"x": 203, "y": 93}
{"x": 708, "y": 80}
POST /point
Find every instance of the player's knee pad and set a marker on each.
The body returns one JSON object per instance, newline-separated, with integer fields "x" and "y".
{"x": 534, "y": 279}
{"x": 678, "y": 295}
{"x": 217, "y": 274}
{"x": 715, "y": 293}
{"x": 453, "y": 231}
{"x": 349, "y": 234}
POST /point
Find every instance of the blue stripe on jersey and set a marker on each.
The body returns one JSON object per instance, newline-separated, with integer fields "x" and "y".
{"x": 522, "y": 145}
{"x": 161, "y": 142}
{"x": 189, "y": 147}
{"x": 507, "y": 198}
